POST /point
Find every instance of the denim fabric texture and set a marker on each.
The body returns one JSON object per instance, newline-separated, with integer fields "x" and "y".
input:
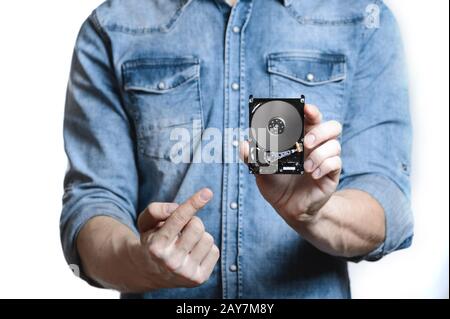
{"x": 144, "y": 67}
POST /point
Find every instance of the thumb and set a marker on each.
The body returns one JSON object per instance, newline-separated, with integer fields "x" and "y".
{"x": 154, "y": 214}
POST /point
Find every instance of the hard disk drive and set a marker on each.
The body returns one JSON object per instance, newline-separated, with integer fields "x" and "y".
{"x": 276, "y": 135}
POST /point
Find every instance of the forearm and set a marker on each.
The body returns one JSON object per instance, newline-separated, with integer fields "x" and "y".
{"x": 350, "y": 224}
{"x": 108, "y": 251}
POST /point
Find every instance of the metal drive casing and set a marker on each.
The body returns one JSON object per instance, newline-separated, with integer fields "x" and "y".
{"x": 276, "y": 135}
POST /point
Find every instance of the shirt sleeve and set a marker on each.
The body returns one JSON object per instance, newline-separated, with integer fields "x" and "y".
{"x": 376, "y": 140}
{"x": 101, "y": 178}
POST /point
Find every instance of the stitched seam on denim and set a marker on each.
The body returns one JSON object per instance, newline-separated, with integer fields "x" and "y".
{"x": 163, "y": 28}
{"x": 130, "y": 66}
{"x": 144, "y": 88}
{"x": 306, "y": 55}
{"x": 243, "y": 102}
{"x": 226, "y": 166}
{"x": 158, "y": 62}
{"x": 323, "y": 21}
{"x": 342, "y": 86}
{"x": 200, "y": 97}
{"x": 295, "y": 78}
{"x": 269, "y": 64}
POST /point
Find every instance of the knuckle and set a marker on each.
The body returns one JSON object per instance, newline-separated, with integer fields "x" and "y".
{"x": 320, "y": 114}
{"x": 332, "y": 164}
{"x": 185, "y": 273}
{"x": 179, "y": 218}
{"x": 172, "y": 264}
{"x": 196, "y": 277}
{"x": 333, "y": 147}
{"x": 316, "y": 131}
{"x": 215, "y": 251}
{"x": 199, "y": 279}
{"x": 183, "y": 249}
{"x": 162, "y": 236}
{"x": 208, "y": 238}
{"x": 338, "y": 146}
{"x": 336, "y": 125}
{"x": 194, "y": 203}
{"x": 197, "y": 225}
{"x": 207, "y": 275}
{"x": 326, "y": 166}
{"x": 339, "y": 162}
{"x": 317, "y": 155}
{"x": 156, "y": 250}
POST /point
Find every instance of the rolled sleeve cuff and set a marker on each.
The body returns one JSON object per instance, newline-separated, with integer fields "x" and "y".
{"x": 70, "y": 228}
{"x": 397, "y": 210}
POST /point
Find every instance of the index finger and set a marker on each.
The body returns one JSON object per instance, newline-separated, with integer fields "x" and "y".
{"x": 183, "y": 214}
{"x": 312, "y": 114}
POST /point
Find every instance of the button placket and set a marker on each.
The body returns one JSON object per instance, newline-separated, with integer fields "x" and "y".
{"x": 234, "y": 74}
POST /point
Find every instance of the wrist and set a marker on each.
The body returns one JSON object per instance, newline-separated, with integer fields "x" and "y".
{"x": 305, "y": 216}
{"x": 317, "y": 228}
{"x": 136, "y": 275}
{"x": 144, "y": 273}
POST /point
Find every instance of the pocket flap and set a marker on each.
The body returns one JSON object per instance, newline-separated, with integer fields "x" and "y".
{"x": 309, "y": 68}
{"x": 159, "y": 75}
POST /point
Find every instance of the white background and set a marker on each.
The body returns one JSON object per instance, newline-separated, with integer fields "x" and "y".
{"x": 36, "y": 41}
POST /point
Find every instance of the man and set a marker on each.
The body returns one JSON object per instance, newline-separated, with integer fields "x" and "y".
{"x": 136, "y": 221}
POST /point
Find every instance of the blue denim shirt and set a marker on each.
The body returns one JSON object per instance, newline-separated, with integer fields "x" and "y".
{"x": 142, "y": 68}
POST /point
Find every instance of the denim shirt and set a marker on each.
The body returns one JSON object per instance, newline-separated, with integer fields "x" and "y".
{"x": 142, "y": 68}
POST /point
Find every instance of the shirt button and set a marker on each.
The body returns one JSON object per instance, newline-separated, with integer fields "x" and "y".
{"x": 235, "y": 86}
{"x": 310, "y": 77}
{"x": 233, "y": 268}
{"x": 161, "y": 85}
{"x": 236, "y": 29}
{"x": 233, "y": 205}
{"x": 235, "y": 143}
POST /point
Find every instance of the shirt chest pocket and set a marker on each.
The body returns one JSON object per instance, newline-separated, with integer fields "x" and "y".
{"x": 319, "y": 76}
{"x": 164, "y": 97}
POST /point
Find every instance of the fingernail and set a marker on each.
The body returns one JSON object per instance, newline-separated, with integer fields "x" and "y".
{"x": 316, "y": 173}
{"x": 310, "y": 139}
{"x": 170, "y": 208}
{"x": 205, "y": 195}
{"x": 309, "y": 165}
